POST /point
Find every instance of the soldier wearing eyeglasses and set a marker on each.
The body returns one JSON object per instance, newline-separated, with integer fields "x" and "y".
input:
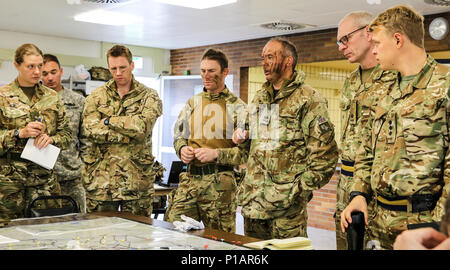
{"x": 361, "y": 89}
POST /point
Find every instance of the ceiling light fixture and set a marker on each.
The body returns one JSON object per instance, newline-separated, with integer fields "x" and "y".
{"x": 101, "y": 16}
{"x": 198, "y": 4}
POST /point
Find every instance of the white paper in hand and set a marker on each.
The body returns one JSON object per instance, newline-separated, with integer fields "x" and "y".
{"x": 45, "y": 157}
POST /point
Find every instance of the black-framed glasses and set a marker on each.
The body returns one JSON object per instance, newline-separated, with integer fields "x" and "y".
{"x": 344, "y": 39}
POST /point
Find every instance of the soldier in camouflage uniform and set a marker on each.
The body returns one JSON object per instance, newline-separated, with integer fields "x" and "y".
{"x": 203, "y": 141}
{"x": 293, "y": 150}
{"x": 28, "y": 110}
{"x": 403, "y": 159}
{"x": 361, "y": 89}
{"x": 118, "y": 119}
{"x": 68, "y": 165}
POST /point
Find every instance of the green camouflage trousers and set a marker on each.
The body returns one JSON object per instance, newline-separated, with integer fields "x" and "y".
{"x": 75, "y": 189}
{"x": 292, "y": 224}
{"x": 208, "y": 198}
{"x": 141, "y": 207}
{"x": 386, "y": 225}
{"x": 15, "y": 196}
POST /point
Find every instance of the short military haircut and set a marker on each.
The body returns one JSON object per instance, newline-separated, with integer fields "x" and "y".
{"x": 288, "y": 49}
{"x": 24, "y": 50}
{"x": 402, "y": 19}
{"x": 51, "y": 58}
{"x": 216, "y": 55}
{"x": 120, "y": 50}
{"x": 359, "y": 18}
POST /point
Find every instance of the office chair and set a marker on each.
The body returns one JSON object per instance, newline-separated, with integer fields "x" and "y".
{"x": 35, "y": 212}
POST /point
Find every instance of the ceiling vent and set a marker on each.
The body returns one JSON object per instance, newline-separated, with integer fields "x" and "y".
{"x": 283, "y": 26}
{"x": 438, "y": 2}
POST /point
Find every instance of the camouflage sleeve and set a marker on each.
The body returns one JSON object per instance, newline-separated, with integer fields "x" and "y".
{"x": 364, "y": 156}
{"x": 321, "y": 147}
{"x": 181, "y": 130}
{"x": 94, "y": 130}
{"x": 7, "y": 140}
{"x": 139, "y": 126}
{"x": 63, "y": 135}
{"x": 440, "y": 210}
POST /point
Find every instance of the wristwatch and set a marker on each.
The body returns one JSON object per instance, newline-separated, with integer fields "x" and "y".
{"x": 106, "y": 122}
{"x": 16, "y": 133}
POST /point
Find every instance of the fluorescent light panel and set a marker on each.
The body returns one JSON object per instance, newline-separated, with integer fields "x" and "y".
{"x": 198, "y": 4}
{"x": 101, "y": 16}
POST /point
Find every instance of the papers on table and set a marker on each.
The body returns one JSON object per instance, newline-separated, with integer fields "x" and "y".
{"x": 45, "y": 157}
{"x": 7, "y": 240}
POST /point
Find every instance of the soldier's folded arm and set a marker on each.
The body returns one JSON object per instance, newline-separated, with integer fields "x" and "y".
{"x": 322, "y": 148}
{"x": 63, "y": 135}
{"x": 138, "y": 126}
{"x": 95, "y": 130}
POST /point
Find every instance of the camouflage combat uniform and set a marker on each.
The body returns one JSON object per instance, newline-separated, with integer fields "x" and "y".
{"x": 286, "y": 162}
{"x": 21, "y": 180}
{"x": 68, "y": 165}
{"x": 206, "y": 192}
{"x": 356, "y": 97}
{"x": 403, "y": 158}
{"x": 118, "y": 167}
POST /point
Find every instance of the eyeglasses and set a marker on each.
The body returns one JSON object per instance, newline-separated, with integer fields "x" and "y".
{"x": 344, "y": 39}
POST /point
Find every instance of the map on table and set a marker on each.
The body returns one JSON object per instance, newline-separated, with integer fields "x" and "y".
{"x": 103, "y": 234}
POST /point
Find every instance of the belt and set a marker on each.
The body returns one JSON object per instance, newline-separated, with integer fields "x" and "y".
{"x": 347, "y": 167}
{"x": 208, "y": 169}
{"x": 418, "y": 203}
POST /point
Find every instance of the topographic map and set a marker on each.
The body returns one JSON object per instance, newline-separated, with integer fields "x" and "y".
{"x": 103, "y": 234}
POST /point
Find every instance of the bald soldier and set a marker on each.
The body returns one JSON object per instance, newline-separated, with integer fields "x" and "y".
{"x": 292, "y": 151}
{"x": 118, "y": 119}
{"x": 403, "y": 160}
{"x": 362, "y": 88}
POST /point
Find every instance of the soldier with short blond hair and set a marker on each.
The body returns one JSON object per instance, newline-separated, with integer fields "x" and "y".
{"x": 403, "y": 160}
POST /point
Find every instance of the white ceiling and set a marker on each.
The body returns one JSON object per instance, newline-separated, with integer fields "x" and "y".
{"x": 172, "y": 27}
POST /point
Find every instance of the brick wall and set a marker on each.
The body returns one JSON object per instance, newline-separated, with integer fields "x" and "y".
{"x": 313, "y": 47}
